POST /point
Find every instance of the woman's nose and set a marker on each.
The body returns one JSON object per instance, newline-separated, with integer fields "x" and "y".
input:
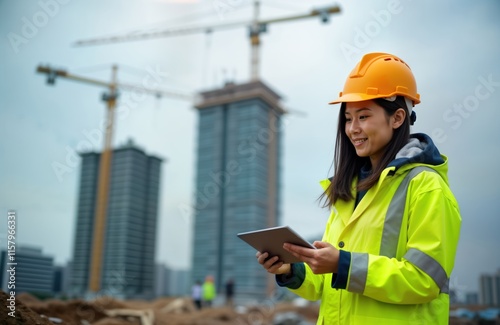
{"x": 354, "y": 126}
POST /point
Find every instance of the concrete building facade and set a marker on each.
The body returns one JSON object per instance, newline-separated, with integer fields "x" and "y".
{"x": 33, "y": 271}
{"x": 131, "y": 220}
{"x": 237, "y": 183}
{"x": 489, "y": 289}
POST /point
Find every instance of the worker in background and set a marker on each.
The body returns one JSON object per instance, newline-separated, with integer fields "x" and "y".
{"x": 229, "y": 292}
{"x": 389, "y": 246}
{"x": 196, "y": 294}
{"x": 208, "y": 290}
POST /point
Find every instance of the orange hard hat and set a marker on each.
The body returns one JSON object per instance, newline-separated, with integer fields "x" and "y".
{"x": 379, "y": 75}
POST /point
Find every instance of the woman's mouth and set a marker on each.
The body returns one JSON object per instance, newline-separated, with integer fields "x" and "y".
{"x": 358, "y": 142}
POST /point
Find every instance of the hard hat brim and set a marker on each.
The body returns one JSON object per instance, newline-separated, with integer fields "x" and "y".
{"x": 348, "y": 98}
{"x": 357, "y": 97}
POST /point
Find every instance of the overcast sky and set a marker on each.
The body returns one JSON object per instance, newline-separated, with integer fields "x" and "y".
{"x": 452, "y": 47}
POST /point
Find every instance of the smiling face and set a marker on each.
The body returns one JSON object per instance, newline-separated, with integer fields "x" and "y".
{"x": 370, "y": 128}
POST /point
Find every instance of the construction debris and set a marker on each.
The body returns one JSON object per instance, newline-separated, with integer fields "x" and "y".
{"x": 146, "y": 317}
{"x": 163, "y": 311}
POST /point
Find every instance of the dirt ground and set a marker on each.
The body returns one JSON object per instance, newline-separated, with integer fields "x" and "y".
{"x": 165, "y": 311}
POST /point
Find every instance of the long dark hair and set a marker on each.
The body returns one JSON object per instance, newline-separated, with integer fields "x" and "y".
{"x": 347, "y": 163}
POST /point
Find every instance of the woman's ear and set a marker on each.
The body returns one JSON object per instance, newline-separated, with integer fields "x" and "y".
{"x": 398, "y": 118}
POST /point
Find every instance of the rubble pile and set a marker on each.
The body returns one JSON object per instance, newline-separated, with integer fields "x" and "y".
{"x": 163, "y": 311}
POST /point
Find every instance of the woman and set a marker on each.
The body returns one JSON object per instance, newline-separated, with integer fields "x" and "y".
{"x": 389, "y": 246}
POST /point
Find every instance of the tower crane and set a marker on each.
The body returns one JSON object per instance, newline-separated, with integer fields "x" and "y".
{"x": 256, "y": 27}
{"x": 105, "y": 161}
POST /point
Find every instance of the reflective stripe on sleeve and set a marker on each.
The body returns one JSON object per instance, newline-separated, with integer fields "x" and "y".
{"x": 358, "y": 273}
{"x": 394, "y": 215}
{"x": 430, "y": 266}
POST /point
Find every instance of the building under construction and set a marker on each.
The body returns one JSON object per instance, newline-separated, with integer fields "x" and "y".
{"x": 237, "y": 183}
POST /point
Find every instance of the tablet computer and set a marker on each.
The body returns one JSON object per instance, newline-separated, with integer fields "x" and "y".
{"x": 271, "y": 240}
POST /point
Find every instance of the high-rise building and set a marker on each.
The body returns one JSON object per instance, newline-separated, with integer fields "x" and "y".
{"x": 127, "y": 268}
{"x": 66, "y": 278}
{"x": 33, "y": 271}
{"x": 58, "y": 281}
{"x": 171, "y": 282}
{"x": 489, "y": 289}
{"x": 161, "y": 280}
{"x": 178, "y": 282}
{"x": 237, "y": 183}
{"x": 471, "y": 298}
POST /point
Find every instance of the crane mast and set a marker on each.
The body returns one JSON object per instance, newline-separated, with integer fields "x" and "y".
{"x": 255, "y": 43}
{"x": 103, "y": 188}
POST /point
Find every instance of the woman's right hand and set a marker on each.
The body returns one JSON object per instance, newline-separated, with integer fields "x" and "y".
{"x": 272, "y": 265}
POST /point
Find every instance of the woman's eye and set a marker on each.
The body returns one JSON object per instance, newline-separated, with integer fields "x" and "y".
{"x": 362, "y": 117}
{"x": 347, "y": 120}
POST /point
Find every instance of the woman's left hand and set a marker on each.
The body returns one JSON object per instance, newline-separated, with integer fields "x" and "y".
{"x": 323, "y": 259}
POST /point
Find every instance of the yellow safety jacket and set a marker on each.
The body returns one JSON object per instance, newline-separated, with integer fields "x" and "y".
{"x": 397, "y": 251}
{"x": 208, "y": 291}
